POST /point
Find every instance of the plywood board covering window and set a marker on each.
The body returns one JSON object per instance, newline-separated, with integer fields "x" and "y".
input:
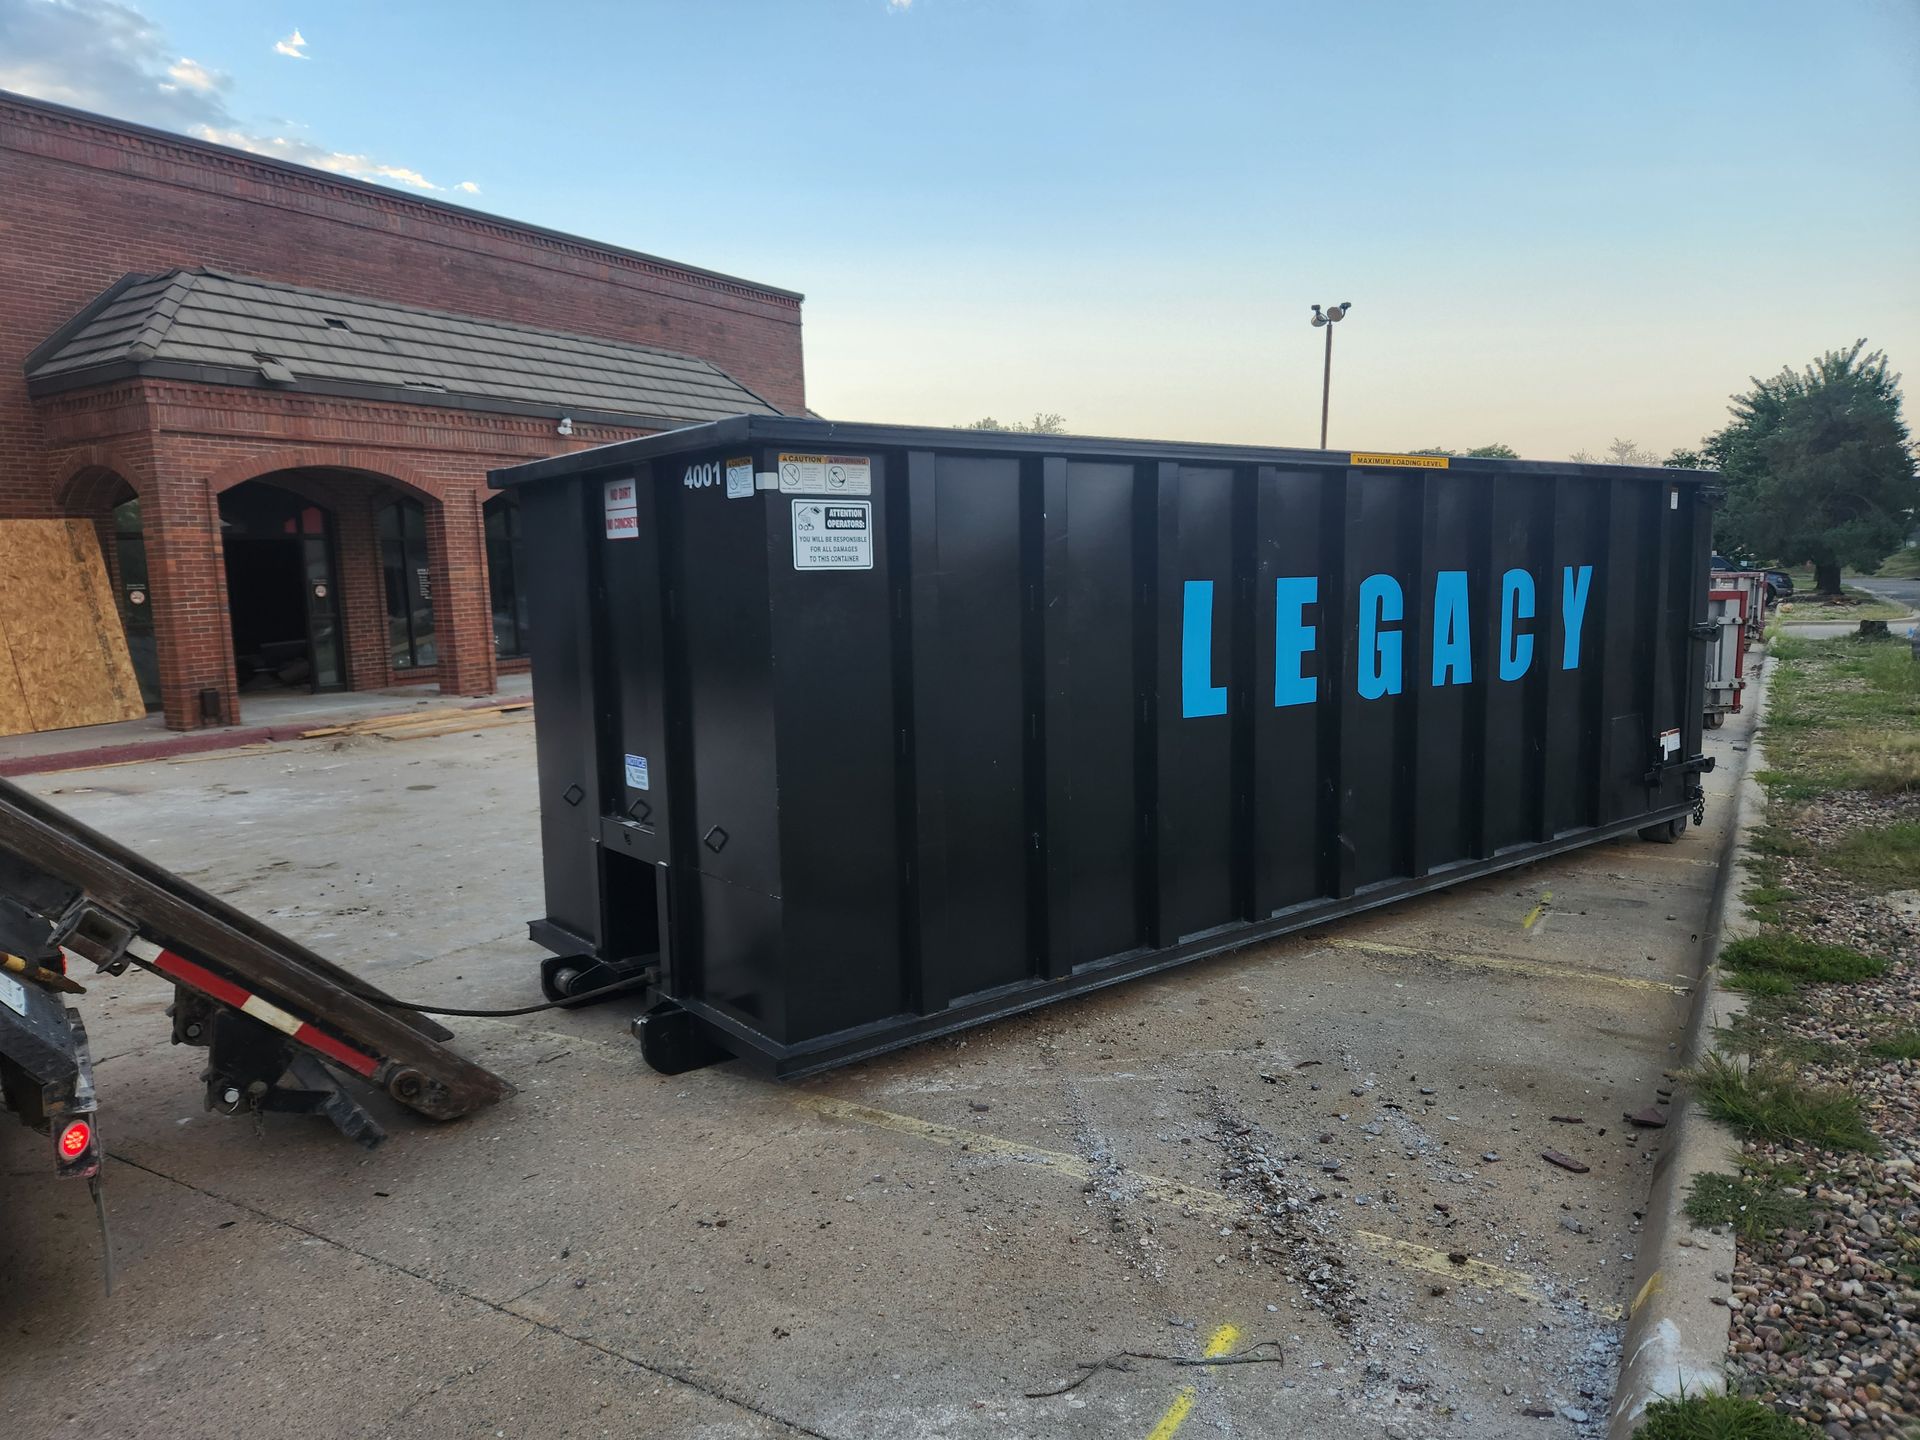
{"x": 63, "y": 653}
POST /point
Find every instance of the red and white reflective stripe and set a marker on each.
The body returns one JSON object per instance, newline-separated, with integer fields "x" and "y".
{"x": 195, "y": 977}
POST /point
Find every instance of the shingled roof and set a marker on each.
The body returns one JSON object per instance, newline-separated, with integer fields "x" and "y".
{"x": 227, "y": 329}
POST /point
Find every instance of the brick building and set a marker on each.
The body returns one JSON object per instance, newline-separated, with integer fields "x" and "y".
{"x": 277, "y": 392}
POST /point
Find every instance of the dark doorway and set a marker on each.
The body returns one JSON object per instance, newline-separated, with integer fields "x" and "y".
{"x": 281, "y": 594}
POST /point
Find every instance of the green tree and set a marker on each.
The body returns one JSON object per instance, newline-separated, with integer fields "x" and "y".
{"x": 1685, "y": 459}
{"x": 1819, "y": 466}
{"x": 1044, "y": 422}
{"x": 1495, "y": 451}
{"x": 1619, "y": 452}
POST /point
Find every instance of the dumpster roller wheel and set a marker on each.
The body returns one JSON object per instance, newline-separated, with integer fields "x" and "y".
{"x": 674, "y": 1042}
{"x": 1666, "y": 832}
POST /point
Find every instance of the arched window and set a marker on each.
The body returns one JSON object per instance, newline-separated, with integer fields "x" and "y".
{"x": 506, "y": 569}
{"x": 403, "y": 558}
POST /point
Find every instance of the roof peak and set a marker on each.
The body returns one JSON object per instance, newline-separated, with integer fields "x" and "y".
{"x": 198, "y": 323}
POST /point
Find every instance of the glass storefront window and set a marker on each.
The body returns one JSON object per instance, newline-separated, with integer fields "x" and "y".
{"x": 403, "y": 562}
{"x": 506, "y": 565}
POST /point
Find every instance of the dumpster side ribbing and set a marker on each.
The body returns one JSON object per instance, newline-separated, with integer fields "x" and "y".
{"x": 863, "y": 733}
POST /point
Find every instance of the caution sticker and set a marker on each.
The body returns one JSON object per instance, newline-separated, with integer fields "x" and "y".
{"x": 826, "y": 475}
{"x": 1398, "y": 462}
{"x": 740, "y": 479}
{"x": 832, "y": 536}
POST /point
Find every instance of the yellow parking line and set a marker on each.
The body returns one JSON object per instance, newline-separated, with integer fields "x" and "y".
{"x": 1072, "y": 1166}
{"x": 1222, "y": 1343}
{"x": 1656, "y": 1282}
{"x": 1511, "y": 964}
{"x": 1407, "y": 1254}
{"x": 1534, "y": 915}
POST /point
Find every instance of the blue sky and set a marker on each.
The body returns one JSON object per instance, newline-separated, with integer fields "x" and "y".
{"x": 1557, "y": 224}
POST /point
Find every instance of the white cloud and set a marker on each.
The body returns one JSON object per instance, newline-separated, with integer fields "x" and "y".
{"x": 294, "y": 45}
{"x": 899, "y": 4}
{"x": 304, "y": 152}
{"x": 101, "y": 55}
{"x": 106, "y": 56}
{"x": 195, "y": 76}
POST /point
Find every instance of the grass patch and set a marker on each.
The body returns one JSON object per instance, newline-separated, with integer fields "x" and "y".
{"x": 1769, "y": 1102}
{"x": 1760, "y": 982}
{"x": 1842, "y": 715}
{"x": 1767, "y": 903}
{"x": 1901, "y": 565}
{"x": 1776, "y": 841}
{"x": 1885, "y": 858}
{"x": 1805, "y": 609}
{"x": 1781, "y": 953}
{"x": 1716, "y": 1417}
{"x": 1904, "y": 1046}
{"x": 1752, "y": 1208}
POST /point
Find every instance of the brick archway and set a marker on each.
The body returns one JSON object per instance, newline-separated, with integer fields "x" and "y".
{"x": 94, "y": 485}
{"x": 375, "y": 463}
{"x": 90, "y": 482}
{"x": 356, "y": 486}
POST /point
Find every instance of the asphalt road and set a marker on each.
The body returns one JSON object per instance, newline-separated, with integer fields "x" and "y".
{"x": 1331, "y": 1143}
{"x": 1901, "y": 592}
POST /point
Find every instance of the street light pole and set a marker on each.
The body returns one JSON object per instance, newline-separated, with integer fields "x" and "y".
{"x": 1331, "y": 314}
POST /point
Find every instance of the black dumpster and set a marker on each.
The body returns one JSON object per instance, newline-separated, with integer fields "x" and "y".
{"x": 857, "y": 734}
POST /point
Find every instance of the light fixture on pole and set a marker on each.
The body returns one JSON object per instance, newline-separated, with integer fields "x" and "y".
{"x": 1326, "y": 318}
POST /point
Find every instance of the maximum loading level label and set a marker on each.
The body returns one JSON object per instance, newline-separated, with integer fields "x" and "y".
{"x": 832, "y": 535}
{"x": 826, "y": 475}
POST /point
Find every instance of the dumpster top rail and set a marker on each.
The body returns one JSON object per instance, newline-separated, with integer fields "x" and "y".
{"x": 744, "y": 430}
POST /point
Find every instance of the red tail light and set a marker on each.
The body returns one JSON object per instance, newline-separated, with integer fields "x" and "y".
{"x": 75, "y": 1139}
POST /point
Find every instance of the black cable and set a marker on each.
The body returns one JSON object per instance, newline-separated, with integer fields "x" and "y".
{"x": 632, "y": 982}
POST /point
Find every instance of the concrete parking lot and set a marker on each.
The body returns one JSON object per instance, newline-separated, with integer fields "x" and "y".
{"x": 1321, "y": 1157}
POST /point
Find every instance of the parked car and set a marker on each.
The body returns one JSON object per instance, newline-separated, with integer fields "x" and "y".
{"x": 1779, "y": 582}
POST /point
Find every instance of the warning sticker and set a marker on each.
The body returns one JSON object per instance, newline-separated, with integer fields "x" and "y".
{"x": 13, "y": 994}
{"x": 826, "y": 475}
{"x": 1669, "y": 742}
{"x": 1398, "y": 462}
{"x": 827, "y": 536}
{"x": 740, "y": 479}
{"x": 623, "y": 509}
{"x": 637, "y": 773}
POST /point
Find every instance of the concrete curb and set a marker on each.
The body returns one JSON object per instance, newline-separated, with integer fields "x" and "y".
{"x": 166, "y": 747}
{"x": 1676, "y": 1336}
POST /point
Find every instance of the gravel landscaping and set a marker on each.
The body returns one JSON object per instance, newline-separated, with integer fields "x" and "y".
{"x": 1826, "y": 1289}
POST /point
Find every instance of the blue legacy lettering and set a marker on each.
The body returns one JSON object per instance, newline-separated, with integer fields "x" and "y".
{"x": 1574, "y": 584}
{"x": 1198, "y": 694}
{"x": 1516, "y": 604}
{"x": 1380, "y": 601}
{"x": 1380, "y": 633}
{"x": 1292, "y": 639}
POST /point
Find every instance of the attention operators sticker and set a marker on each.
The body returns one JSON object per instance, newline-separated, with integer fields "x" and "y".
{"x": 829, "y": 535}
